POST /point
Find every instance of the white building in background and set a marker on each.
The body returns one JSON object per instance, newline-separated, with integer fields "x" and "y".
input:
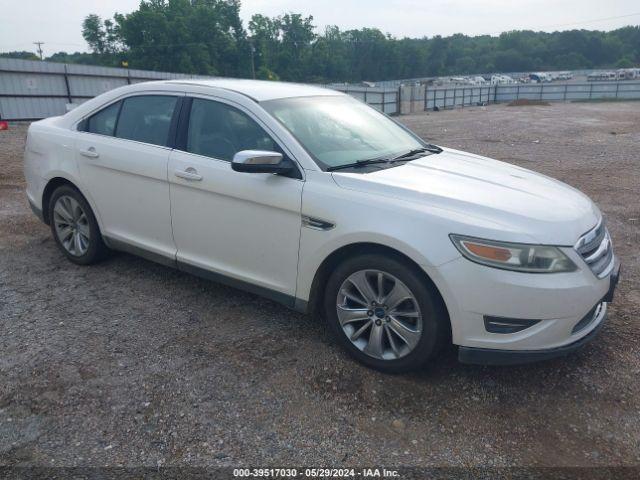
{"x": 565, "y": 75}
{"x": 628, "y": 73}
{"x": 500, "y": 79}
{"x": 540, "y": 77}
{"x": 613, "y": 76}
{"x": 478, "y": 80}
{"x": 459, "y": 81}
{"x": 602, "y": 76}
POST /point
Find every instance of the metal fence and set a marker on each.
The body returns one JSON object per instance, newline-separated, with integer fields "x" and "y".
{"x": 386, "y": 100}
{"x": 457, "y": 97}
{"x": 465, "y": 96}
{"x": 30, "y": 90}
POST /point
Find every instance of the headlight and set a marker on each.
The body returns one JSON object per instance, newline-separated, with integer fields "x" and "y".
{"x": 520, "y": 257}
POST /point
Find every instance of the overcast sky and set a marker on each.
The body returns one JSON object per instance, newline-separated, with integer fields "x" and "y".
{"x": 58, "y": 22}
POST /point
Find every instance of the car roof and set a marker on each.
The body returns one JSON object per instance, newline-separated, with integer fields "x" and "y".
{"x": 261, "y": 90}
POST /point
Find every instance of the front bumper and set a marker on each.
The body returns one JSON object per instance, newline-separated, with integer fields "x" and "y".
{"x": 557, "y": 305}
{"x": 594, "y": 321}
{"x": 488, "y": 356}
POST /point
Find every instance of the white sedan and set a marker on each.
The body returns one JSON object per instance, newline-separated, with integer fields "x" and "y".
{"x": 312, "y": 198}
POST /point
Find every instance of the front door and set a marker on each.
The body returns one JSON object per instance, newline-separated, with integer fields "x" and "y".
{"x": 243, "y": 226}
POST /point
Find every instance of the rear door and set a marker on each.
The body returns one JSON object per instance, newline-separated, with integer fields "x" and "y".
{"x": 244, "y": 226}
{"x": 122, "y": 156}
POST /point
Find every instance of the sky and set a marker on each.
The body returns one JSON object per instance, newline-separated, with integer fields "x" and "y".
{"x": 57, "y": 23}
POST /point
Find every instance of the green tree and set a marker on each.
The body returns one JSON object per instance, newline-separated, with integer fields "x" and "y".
{"x": 297, "y": 35}
{"x": 265, "y": 39}
{"x": 102, "y": 37}
{"x": 23, "y": 55}
{"x": 208, "y": 37}
{"x": 197, "y": 36}
{"x": 624, "y": 62}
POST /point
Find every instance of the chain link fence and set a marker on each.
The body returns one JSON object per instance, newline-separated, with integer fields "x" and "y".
{"x": 451, "y": 97}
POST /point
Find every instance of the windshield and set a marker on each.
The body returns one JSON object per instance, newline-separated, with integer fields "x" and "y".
{"x": 339, "y": 130}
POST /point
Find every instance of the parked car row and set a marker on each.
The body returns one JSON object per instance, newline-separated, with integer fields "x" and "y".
{"x": 536, "y": 77}
{"x": 613, "y": 76}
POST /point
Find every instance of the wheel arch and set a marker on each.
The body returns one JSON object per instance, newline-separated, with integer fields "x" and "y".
{"x": 59, "y": 181}
{"x": 315, "y": 306}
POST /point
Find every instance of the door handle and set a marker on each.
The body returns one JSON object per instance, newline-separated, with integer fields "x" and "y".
{"x": 91, "y": 153}
{"x": 189, "y": 174}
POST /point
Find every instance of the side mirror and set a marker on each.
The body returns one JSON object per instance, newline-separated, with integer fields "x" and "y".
{"x": 259, "y": 161}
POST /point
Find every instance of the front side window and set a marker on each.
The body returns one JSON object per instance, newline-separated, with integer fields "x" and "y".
{"x": 338, "y": 130}
{"x": 146, "y": 118}
{"x": 220, "y": 131}
{"x": 103, "y": 122}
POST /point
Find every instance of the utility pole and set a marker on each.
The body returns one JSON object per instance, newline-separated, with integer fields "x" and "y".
{"x": 253, "y": 62}
{"x": 39, "y": 44}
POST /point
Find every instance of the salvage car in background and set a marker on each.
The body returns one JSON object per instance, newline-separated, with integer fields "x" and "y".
{"x": 311, "y": 198}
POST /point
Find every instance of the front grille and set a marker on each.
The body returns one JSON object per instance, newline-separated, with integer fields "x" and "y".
{"x": 596, "y": 250}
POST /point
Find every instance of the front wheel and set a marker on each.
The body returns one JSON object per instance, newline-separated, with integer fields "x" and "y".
{"x": 384, "y": 313}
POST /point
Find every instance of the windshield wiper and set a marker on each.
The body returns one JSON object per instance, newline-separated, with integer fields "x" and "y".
{"x": 363, "y": 163}
{"x": 429, "y": 148}
{"x": 359, "y": 164}
{"x": 433, "y": 148}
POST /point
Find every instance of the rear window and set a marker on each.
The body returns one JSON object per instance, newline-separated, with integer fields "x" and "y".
{"x": 146, "y": 119}
{"x": 104, "y": 122}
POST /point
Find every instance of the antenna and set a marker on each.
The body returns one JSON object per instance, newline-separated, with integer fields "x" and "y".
{"x": 39, "y": 44}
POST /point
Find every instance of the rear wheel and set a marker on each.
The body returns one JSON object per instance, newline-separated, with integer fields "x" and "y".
{"x": 384, "y": 313}
{"x": 74, "y": 227}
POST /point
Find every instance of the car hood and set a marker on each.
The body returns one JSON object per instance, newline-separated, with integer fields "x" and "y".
{"x": 541, "y": 208}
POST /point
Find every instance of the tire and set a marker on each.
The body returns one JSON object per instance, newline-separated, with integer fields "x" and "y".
{"x": 418, "y": 326}
{"x": 71, "y": 217}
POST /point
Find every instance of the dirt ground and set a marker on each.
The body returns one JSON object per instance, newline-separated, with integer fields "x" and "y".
{"x": 131, "y": 363}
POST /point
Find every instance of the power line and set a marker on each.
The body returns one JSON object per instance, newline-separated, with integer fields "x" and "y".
{"x": 593, "y": 21}
{"x": 604, "y": 19}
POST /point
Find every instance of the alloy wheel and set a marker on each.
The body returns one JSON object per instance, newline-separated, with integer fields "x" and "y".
{"x": 72, "y": 225}
{"x": 379, "y": 314}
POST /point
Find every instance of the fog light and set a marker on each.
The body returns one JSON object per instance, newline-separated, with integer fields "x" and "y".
{"x": 507, "y": 325}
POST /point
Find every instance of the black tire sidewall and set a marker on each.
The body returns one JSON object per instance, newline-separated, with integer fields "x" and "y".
{"x": 96, "y": 249}
{"x": 433, "y": 321}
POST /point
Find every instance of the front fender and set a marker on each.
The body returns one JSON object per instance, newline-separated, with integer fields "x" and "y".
{"x": 316, "y": 246}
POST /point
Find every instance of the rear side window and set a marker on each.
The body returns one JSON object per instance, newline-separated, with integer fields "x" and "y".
{"x": 146, "y": 119}
{"x": 220, "y": 131}
{"x": 104, "y": 122}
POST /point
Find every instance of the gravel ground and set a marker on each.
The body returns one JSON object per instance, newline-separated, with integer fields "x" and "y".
{"x": 131, "y": 363}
